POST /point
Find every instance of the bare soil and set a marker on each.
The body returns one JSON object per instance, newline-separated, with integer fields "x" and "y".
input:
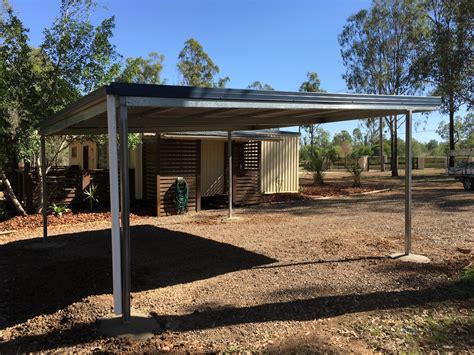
{"x": 297, "y": 276}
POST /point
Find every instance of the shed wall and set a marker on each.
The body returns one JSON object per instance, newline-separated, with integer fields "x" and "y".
{"x": 212, "y": 167}
{"x": 280, "y": 165}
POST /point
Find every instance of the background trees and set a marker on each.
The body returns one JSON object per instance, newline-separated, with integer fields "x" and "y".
{"x": 257, "y": 85}
{"x": 75, "y": 57}
{"x": 17, "y": 97}
{"x": 379, "y": 47}
{"x": 311, "y": 84}
{"x": 197, "y": 68}
{"x": 143, "y": 70}
{"x": 445, "y": 57}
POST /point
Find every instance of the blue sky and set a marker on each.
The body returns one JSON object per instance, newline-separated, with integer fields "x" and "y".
{"x": 274, "y": 41}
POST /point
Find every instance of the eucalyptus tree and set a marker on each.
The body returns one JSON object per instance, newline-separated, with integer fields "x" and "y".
{"x": 78, "y": 58}
{"x": 197, "y": 68}
{"x": 143, "y": 70}
{"x": 257, "y": 85}
{"x": 445, "y": 58}
{"x": 17, "y": 98}
{"x": 311, "y": 84}
{"x": 379, "y": 48}
{"x": 74, "y": 58}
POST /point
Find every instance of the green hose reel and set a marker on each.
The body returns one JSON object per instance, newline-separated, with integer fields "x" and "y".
{"x": 181, "y": 195}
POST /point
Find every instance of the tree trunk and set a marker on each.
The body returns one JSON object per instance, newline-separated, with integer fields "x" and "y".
{"x": 452, "y": 145}
{"x": 393, "y": 147}
{"x": 11, "y": 194}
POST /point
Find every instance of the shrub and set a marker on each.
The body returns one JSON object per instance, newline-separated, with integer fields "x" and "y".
{"x": 353, "y": 167}
{"x": 91, "y": 195}
{"x": 59, "y": 209}
{"x": 315, "y": 165}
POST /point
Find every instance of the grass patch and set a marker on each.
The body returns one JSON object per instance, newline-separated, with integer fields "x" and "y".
{"x": 467, "y": 275}
{"x": 444, "y": 326}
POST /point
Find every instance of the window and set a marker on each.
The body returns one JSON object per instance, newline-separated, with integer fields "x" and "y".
{"x": 74, "y": 152}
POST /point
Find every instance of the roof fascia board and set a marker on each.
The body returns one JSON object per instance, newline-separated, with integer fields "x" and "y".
{"x": 186, "y": 92}
{"x": 138, "y": 101}
{"x": 57, "y": 124}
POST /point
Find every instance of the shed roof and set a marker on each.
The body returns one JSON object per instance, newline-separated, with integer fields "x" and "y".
{"x": 166, "y": 108}
{"x": 259, "y": 135}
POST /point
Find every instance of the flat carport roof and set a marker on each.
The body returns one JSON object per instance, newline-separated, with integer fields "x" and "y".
{"x": 163, "y": 108}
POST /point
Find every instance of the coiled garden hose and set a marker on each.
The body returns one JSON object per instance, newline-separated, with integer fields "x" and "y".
{"x": 181, "y": 195}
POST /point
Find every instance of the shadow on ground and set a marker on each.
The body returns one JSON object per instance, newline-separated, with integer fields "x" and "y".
{"x": 38, "y": 280}
{"x": 295, "y": 310}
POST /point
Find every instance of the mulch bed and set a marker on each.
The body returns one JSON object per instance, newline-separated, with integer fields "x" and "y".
{"x": 326, "y": 190}
{"x": 334, "y": 190}
{"x": 285, "y": 197}
{"x": 34, "y": 221}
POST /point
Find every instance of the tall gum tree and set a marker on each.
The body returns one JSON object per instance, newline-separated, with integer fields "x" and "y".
{"x": 311, "y": 84}
{"x": 445, "y": 59}
{"x": 378, "y": 48}
{"x": 197, "y": 68}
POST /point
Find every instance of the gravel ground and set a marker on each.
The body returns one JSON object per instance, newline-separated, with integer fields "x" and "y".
{"x": 298, "y": 276}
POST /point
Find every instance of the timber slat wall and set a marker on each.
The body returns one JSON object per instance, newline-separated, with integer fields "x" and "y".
{"x": 177, "y": 158}
{"x": 164, "y": 161}
{"x": 149, "y": 168}
{"x": 66, "y": 185}
{"x": 246, "y": 172}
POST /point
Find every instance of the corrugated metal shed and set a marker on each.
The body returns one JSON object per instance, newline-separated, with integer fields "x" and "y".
{"x": 280, "y": 164}
{"x": 212, "y": 167}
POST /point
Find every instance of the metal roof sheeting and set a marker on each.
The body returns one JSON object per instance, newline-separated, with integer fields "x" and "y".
{"x": 166, "y": 108}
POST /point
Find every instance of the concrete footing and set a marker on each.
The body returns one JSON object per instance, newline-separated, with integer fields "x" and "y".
{"x": 140, "y": 327}
{"x": 411, "y": 258}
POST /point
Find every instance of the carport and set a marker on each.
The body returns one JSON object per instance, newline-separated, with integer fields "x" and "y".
{"x": 119, "y": 109}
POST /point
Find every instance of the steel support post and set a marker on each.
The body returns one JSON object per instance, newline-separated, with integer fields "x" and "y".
{"x": 408, "y": 171}
{"x": 229, "y": 157}
{"x": 44, "y": 188}
{"x": 125, "y": 206}
{"x": 114, "y": 202}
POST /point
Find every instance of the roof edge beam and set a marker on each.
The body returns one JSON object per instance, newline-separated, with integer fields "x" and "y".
{"x": 73, "y": 119}
{"x": 136, "y": 101}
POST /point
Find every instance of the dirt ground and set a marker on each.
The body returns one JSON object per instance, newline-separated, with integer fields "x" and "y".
{"x": 297, "y": 276}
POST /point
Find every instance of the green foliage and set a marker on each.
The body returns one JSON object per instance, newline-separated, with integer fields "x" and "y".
{"x": 312, "y": 84}
{"x": 379, "y": 50}
{"x": 362, "y": 150}
{"x": 17, "y": 94}
{"x": 143, "y": 71}
{"x": 444, "y": 58}
{"x": 342, "y": 137}
{"x": 197, "y": 68}
{"x": 463, "y": 130}
{"x": 81, "y": 54}
{"x": 357, "y": 137}
{"x": 91, "y": 195}
{"x": 467, "y": 275}
{"x": 315, "y": 165}
{"x": 353, "y": 167}
{"x": 59, "y": 209}
{"x": 318, "y": 160}
{"x": 378, "y": 47}
{"x": 257, "y": 85}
